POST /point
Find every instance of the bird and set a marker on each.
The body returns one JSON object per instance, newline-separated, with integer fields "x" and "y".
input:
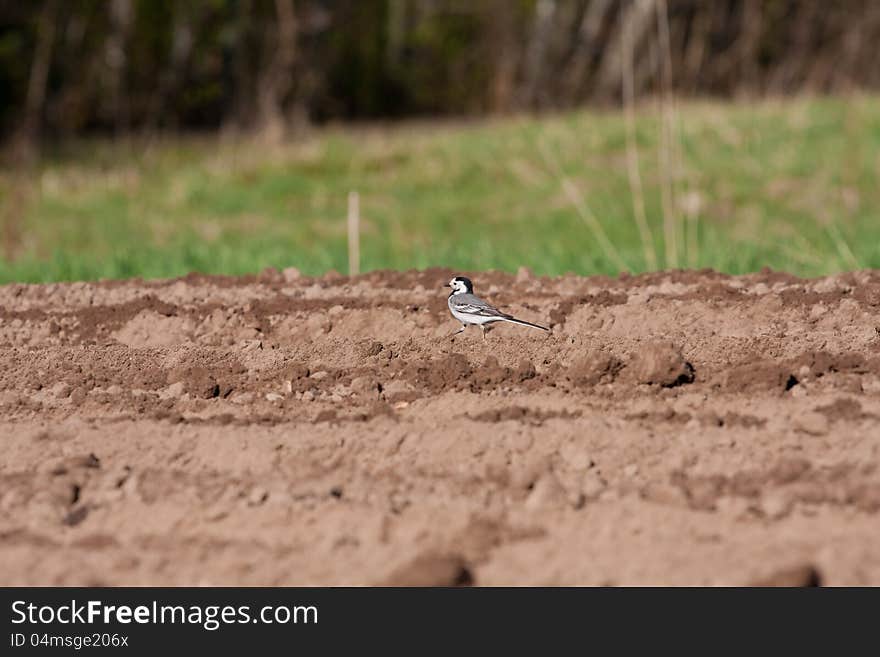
{"x": 468, "y": 308}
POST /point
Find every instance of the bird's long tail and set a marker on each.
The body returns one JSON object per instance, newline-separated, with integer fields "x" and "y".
{"x": 513, "y": 320}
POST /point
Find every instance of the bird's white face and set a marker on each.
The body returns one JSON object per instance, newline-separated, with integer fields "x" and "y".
{"x": 458, "y": 286}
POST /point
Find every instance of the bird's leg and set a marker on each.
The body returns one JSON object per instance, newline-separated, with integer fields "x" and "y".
{"x": 483, "y": 329}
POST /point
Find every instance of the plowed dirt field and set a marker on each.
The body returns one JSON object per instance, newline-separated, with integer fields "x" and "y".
{"x": 674, "y": 428}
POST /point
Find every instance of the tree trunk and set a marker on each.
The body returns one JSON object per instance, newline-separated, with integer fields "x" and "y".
{"x": 586, "y": 48}
{"x": 542, "y": 33}
{"x": 35, "y": 100}
{"x": 277, "y": 81}
{"x": 501, "y": 26}
{"x": 170, "y": 80}
{"x": 396, "y": 30}
{"x": 121, "y": 17}
{"x": 638, "y": 15}
{"x": 25, "y": 146}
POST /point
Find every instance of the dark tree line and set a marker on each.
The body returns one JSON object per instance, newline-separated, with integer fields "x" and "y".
{"x": 69, "y": 67}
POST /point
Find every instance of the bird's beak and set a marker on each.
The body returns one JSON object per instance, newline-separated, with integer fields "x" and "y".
{"x": 447, "y": 285}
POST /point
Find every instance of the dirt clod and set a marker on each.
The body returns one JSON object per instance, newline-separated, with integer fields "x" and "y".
{"x": 594, "y": 368}
{"x": 812, "y": 423}
{"x": 660, "y": 363}
{"x": 799, "y": 575}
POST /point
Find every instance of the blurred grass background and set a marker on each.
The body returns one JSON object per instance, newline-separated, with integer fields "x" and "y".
{"x": 790, "y": 184}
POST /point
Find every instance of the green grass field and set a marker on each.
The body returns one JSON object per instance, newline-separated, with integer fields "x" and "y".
{"x": 787, "y": 184}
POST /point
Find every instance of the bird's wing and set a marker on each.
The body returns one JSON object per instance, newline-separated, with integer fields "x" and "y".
{"x": 473, "y": 305}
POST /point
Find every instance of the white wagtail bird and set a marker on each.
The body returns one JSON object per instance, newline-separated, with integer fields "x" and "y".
{"x": 468, "y": 308}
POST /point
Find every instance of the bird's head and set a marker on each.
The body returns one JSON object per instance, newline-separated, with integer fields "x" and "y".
{"x": 461, "y": 285}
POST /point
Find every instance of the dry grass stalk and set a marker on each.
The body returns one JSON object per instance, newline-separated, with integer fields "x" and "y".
{"x": 632, "y": 151}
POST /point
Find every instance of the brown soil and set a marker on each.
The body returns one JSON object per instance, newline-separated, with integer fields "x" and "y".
{"x": 674, "y": 428}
